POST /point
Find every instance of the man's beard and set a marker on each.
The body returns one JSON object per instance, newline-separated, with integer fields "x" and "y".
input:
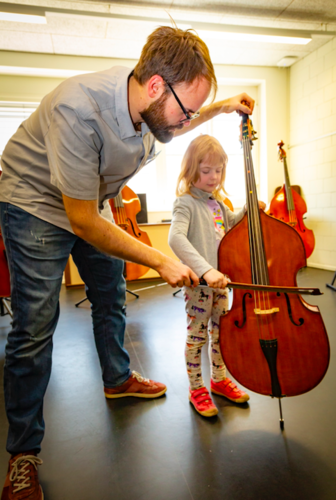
{"x": 154, "y": 118}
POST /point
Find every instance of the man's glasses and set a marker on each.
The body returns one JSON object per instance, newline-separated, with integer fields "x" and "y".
{"x": 189, "y": 117}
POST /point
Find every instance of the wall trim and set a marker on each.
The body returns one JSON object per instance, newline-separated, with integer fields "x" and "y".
{"x": 326, "y": 267}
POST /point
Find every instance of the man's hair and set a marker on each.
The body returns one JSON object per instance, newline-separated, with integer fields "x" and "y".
{"x": 177, "y": 56}
{"x": 204, "y": 147}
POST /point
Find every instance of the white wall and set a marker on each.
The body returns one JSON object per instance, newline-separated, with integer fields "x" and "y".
{"x": 313, "y": 163}
{"x": 272, "y": 108}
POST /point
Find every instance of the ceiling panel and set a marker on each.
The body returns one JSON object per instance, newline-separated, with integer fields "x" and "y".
{"x": 245, "y": 8}
{"x": 95, "y": 47}
{"x": 119, "y": 29}
{"x": 322, "y": 10}
{"x": 20, "y": 41}
{"x": 59, "y": 24}
{"x": 66, "y": 25}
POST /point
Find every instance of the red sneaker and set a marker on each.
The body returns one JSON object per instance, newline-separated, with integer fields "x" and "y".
{"x": 136, "y": 386}
{"x": 22, "y": 479}
{"x": 228, "y": 389}
{"x": 202, "y": 402}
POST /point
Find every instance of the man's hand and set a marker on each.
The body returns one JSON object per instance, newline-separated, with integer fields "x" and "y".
{"x": 218, "y": 107}
{"x": 235, "y": 104}
{"x": 215, "y": 279}
{"x": 177, "y": 274}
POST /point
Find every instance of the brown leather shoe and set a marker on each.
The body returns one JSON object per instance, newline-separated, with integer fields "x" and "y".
{"x": 22, "y": 479}
{"x": 138, "y": 387}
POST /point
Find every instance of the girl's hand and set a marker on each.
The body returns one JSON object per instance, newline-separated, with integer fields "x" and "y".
{"x": 262, "y": 205}
{"x": 215, "y": 279}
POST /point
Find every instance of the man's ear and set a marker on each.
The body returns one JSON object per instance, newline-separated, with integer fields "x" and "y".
{"x": 155, "y": 86}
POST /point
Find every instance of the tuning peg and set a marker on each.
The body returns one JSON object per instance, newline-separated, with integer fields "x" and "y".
{"x": 253, "y": 133}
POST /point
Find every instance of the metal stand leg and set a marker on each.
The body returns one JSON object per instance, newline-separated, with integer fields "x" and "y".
{"x": 147, "y": 288}
{"x": 4, "y": 305}
{"x": 81, "y": 301}
{"x": 135, "y": 294}
{"x": 332, "y": 283}
{"x": 128, "y": 291}
{"x": 282, "y": 422}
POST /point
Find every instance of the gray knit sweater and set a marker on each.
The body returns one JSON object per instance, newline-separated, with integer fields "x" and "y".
{"x": 192, "y": 234}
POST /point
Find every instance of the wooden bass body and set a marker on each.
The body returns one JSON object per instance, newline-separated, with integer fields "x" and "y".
{"x": 273, "y": 344}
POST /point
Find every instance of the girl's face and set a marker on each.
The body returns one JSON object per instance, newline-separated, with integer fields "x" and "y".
{"x": 210, "y": 174}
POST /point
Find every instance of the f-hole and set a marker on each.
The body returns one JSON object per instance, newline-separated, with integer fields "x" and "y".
{"x": 244, "y": 310}
{"x": 301, "y": 320}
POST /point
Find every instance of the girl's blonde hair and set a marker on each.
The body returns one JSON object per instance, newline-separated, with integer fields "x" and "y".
{"x": 201, "y": 148}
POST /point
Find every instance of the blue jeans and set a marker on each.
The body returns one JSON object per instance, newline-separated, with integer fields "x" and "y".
{"x": 37, "y": 253}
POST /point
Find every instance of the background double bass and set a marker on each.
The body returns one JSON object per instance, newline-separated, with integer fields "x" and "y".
{"x": 289, "y": 206}
{"x": 125, "y": 206}
{"x": 272, "y": 342}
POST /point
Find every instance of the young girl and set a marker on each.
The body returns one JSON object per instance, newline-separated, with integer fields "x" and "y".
{"x": 200, "y": 220}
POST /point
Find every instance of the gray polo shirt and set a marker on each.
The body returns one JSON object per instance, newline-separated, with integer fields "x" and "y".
{"x": 80, "y": 142}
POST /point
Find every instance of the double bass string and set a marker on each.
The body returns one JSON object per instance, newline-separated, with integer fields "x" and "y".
{"x": 249, "y": 217}
{"x": 116, "y": 206}
{"x": 258, "y": 260}
{"x": 264, "y": 277}
{"x": 289, "y": 196}
{"x": 120, "y": 209}
{"x": 263, "y": 265}
{"x": 255, "y": 269}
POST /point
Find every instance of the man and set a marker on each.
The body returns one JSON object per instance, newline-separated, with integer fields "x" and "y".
{"x": 78, "y": 149}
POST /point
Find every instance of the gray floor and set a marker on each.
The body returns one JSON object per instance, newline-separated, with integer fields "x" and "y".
{"x": 151, "y": 450}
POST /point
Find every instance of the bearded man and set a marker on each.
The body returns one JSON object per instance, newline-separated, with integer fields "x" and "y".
{"x": 86, "y": 139}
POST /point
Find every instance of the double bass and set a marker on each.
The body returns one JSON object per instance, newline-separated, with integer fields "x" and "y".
{"x": 125, "y": 206}
{"x": 289, "y": 206}
{"x": 272, "y": 342}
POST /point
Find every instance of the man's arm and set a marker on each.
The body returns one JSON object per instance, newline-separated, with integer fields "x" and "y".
{"x": 216, "y": 108}
{"x": 89, "y": 225}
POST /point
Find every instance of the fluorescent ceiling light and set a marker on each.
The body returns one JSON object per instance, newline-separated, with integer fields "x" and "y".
{"x": 22, "y": 18}
{"x": 136, "y": 22}
{"x": 250, "y": 37}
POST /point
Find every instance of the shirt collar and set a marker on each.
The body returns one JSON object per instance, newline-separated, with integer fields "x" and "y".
{"x": 125, "y": 123}
{"x": 200, "y": 193}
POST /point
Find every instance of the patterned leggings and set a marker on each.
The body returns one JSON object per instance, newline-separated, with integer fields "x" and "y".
{"x": 204, "y": 306}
